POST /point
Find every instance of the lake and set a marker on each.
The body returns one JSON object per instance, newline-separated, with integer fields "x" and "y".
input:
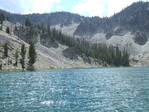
{"x": 76, "y": 90}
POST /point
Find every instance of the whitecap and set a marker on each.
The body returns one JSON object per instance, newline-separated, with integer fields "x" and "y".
{"x": 47, "y": 102}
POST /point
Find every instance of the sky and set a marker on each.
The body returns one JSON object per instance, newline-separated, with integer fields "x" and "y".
{"x": 101, "y": 8}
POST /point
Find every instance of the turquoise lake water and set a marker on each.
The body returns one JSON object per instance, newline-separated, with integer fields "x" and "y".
{"x": 76, "y": 90}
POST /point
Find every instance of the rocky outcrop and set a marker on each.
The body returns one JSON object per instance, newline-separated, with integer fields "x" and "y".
{"x": 48, "y": 41}
{"x": 140, "y": 38}
{"x": 71, "y": 53}
{"x": 133, "y": 18}
{"x": 27, "y": 34}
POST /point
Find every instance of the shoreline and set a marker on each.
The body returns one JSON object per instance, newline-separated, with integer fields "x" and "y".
{"x": 20, "y": 70}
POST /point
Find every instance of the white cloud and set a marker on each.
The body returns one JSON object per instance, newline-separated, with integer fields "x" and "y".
{"x": 101, "y": 7}
{"x": 28, "y": 6}
{"x": 117, "y": 5}
{"x": 87, "y": 7}
{"x": 60, "y": 8}
{"x": 11, "y": 5}
{"x": 92, "y": 7}
{"x": 43, "y": 5}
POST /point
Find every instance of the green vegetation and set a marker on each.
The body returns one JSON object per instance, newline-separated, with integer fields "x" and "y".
{"x": 1, "y": 27}
{"x": 0, "y": 65}
{"x": 16, "y": 55}
{"x": 32, "y": 54}
{"x": 23, "y": 52}
{"x": 15, "y": 28}
{"x": 27, "y": 21}
{"x": 2, "y": 18}
{"x": 108, "y": 55}
{"x": 5, "y": 47}
{"x": 7, "y": 30}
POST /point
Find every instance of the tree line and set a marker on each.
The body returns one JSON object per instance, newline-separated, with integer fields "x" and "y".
{"x": 3, "y": 18}
{"x": 107, "y": 54}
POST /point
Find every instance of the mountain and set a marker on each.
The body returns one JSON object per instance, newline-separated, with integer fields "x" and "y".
{"x": 127, "y": 29}
{"x": 131, "y": 19}
{"x": 65, "y": 21}
{"x": 50, "y": 53}
{"x": 63, "y": 18}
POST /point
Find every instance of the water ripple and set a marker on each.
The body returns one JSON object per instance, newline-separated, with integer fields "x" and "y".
{"x": 76, "y": 90}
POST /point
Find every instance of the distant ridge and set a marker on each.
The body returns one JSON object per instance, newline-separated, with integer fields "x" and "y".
{"x": 128, "y": 29}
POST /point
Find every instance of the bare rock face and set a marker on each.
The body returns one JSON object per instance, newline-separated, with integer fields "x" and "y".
{"x": 74, "y": 54}
{"x": 27, "y": 34}
{"x": 89, "y": 26}
{"x": 47, "y": 41}
{"x": 140, "y": 38}
{"x": 108, "y": 35}
{"x": 132, "y": 19}
{"x": 71, "y": 53}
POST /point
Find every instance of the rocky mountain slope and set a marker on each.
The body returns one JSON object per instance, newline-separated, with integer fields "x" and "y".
{"x": 65, "y": 21}
{"x": 50, "y": 54}
{"x": 127, "y": 29}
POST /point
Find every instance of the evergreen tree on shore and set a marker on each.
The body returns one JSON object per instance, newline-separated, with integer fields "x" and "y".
{"x": 32, "y": 54}
{"x": 23, "y": 52}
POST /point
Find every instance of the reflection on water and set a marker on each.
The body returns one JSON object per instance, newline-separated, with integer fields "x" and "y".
{"x": 85, "y": 90}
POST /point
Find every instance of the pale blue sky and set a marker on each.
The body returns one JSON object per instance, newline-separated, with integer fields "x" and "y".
{"x": 83, "y": 7}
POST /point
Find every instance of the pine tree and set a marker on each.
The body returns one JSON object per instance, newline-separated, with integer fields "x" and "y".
{"x": 1, "y": 27}
{"x": 49, "y": 29}
{"x": 0, "y": 65}
{"x": 125, "y": 58}
{"x": 32, "y": 54}
{"x": 16, "y": 55}
{"x": 23, "y": 52}
{"x": 5, "y": 47}
{"x": 2, "y": 18}
{"x": 7, "y": 30}
{"x": 43, "y": 28}
{"x": 27, "y": 21}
